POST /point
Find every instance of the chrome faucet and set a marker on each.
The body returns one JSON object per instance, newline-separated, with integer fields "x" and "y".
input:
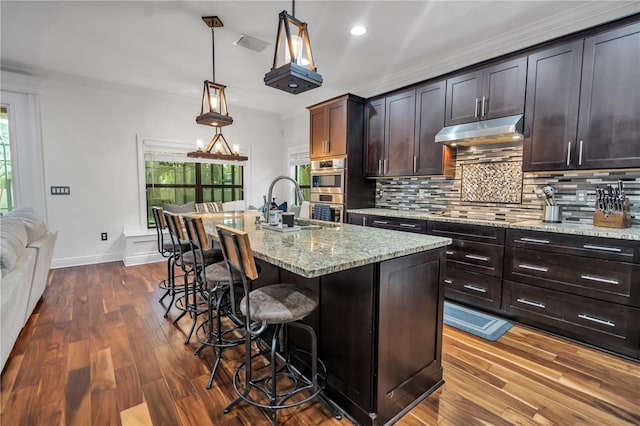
{"x": 298, "y": 192}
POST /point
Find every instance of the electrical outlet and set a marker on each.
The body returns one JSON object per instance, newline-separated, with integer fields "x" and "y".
{"x": 103, "y": 236}
{"x": 422, "y": 193}
{"x": 581, "y": 196}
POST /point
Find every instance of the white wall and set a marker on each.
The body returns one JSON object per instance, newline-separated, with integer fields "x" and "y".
{"x": 89, "y": 143}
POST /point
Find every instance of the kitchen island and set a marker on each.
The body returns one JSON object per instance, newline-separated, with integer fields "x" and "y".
{"x": 379, "y": 322}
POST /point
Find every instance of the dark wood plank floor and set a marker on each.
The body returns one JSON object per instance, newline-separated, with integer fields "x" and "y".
{"x": 97, "y": 351}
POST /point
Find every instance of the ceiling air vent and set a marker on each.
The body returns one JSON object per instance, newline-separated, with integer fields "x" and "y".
{"x": 251, "y": 43}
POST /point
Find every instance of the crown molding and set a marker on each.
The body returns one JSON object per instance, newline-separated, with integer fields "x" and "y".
{"x": 581, "y": 17}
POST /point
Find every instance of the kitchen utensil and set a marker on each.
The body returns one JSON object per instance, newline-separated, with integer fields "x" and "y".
{"x": 552, "y": 214}
{"x": 541, "y": 195}
{"x": 549, "y": 192}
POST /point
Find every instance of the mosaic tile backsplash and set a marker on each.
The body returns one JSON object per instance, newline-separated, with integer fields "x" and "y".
{"x": 469, "y": 195}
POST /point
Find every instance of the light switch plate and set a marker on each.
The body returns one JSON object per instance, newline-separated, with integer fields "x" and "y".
{"x": 60, "y": 190}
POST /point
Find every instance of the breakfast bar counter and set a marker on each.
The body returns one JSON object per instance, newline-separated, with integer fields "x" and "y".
{"x": 379, "y": 321}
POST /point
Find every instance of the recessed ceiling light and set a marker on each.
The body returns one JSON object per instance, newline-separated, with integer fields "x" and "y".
{"x": 358, "y": 30}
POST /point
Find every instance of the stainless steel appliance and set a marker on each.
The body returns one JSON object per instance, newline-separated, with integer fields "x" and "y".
{"x": 328, "y": 186}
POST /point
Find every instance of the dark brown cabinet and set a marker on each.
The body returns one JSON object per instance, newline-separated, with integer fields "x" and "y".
{"x": 474, "y": 263}
{"x": 400, "y": 133}
{"x": 551, "y": 112}
{"x": 492, "y": 92}
{"x": 357, "y": 219}
{"x": 374, "y": 136}
{"x": 328, "y": 129}
{"x": 398, "y": 224}
{"x": 608, "y": 124}
{"x": 430, "y": 158}
{"x": 580, "y": 287}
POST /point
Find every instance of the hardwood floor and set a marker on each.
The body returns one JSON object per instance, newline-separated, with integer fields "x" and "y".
{"x": 97, "y": 351}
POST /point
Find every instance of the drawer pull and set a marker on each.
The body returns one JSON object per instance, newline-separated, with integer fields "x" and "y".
{"x": 449, "y": 252}
{"x": 532, "y": 267}
{"x": 529, "y": 302}
{"x": 448, "y": 282}
{"x": 380, "y": 222}
{"x": 600, "y": 280}
{"x": 534, "y": 240}
{"x": 598, "y": 320}
{"x": 614, "y": 249}
{"x": 476, "y": 257}
{"x": 408, "y": 225}
{"x": 474, "y": 288}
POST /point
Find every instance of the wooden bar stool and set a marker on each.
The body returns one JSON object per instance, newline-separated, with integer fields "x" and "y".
{"x": 214, "y": 281}
{"x": 171, "y": 252}
{"x": 279, "y": 305}
{"x": 192, "y": 302}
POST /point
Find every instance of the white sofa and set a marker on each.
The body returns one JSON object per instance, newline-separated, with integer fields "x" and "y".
{"x": 26, "y": 247}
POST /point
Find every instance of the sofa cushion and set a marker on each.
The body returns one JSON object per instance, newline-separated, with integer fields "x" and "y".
{"x": 35, "y": 227}
{"x": 13, "y": 240}
{"x": 209, "y": 207}
{"x": 184, "y": 208}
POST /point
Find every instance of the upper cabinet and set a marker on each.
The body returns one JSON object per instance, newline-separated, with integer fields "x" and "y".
{"x": 328, "y": 129}
{"x": 583, "y": 103}
{"x": 609, "y": 118}
{"x": 553, "y": 93}
{"x": 400, "y": 133}
{"x": 495, "y": 91}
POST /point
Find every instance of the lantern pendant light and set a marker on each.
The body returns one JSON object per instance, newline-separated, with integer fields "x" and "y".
{"x": 213, "y": 111}
{"x": 293, "y": 68}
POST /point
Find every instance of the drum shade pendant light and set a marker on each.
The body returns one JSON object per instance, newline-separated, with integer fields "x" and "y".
{"x": 293, "y": 68}
{"x": 213, "y": 111}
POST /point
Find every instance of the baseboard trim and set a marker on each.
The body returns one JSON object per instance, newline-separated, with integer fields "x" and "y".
{"x": 85, "y": 260}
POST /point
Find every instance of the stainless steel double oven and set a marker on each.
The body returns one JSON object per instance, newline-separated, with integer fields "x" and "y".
{"x": 328, "y": 186}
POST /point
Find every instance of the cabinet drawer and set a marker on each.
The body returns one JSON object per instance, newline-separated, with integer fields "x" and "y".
{"x": 476, "y": 257}
{"x": 398, "y": 224}
{"x": 597, "y": 278}
{"x": 603, "y": 324}
{"x": 482, "y": 234}
{"x": 473, "y": 289}
{"x": 597, "y": 247}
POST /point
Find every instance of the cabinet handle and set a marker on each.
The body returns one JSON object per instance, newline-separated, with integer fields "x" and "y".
{"x": 379, "y": 167}
{"x": 476, "y": 257}
{"x": 532, "y": 267}
{"x": 380, "y": 222}
{"x": 415, "y": 162}
{"x": 449, "y": 252}
{"x": 580, "y": 155}
{"x": 364, "y": 221}
{"x": 534, "y": 240}
{"x": 598, "y": 320}
{"x": 474, "y": 288}
{"x": 484, "y": 102}
{"x": 600, "y": 280}
{"x": 385, "y": 166}
{"x": 408, "y": 225}
{"x": 569, "y": 154}
{"x": 475, "y": 114}
{"x": 589, "y": 246}
{"x": 328, "y": 146}
{"x": 448, "y": 281}
{"x": 529, "y": 302}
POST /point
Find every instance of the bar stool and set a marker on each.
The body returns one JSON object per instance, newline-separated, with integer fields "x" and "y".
{"x": 278, "y": 305}
{"x": 171, "y": 252}
{"x": 193, "y": 301}
{"x": 214, "y": 281}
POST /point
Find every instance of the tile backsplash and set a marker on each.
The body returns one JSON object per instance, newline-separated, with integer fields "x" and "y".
{"x": 493, "y": 187}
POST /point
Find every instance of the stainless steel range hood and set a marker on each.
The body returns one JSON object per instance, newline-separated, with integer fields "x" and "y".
{"x": 504, "y": 129}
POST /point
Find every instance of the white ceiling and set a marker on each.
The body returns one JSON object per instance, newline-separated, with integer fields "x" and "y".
{"x": 164, "y": 45}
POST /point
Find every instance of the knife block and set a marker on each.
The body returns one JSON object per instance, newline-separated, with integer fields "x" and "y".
{"x": 615, "y": 218}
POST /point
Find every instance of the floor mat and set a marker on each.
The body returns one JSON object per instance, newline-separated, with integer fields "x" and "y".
{"x": 477, "y": 323}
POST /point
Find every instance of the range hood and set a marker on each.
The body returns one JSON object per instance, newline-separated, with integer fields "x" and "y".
{"x": 504, "y": 129}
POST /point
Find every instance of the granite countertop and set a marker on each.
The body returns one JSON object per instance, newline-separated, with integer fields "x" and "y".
{"x": 632, "y": 233}
{"x": 317, "y": 252}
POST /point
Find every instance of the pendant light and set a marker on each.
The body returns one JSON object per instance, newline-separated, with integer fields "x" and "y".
{"x": 293, "y": 68}
{"x": 213, "y": 111}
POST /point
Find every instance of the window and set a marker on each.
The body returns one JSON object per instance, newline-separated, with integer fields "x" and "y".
{"x": 303, "y": 177}
{"x": 176, "y": 182}
{"x": 6, "y": 188}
